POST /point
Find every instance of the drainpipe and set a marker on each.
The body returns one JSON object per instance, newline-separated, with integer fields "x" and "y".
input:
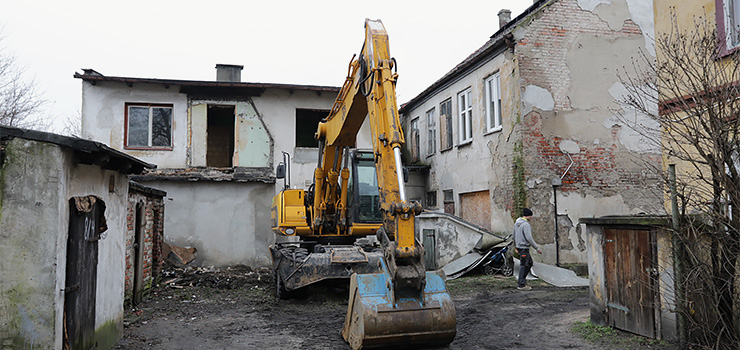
{"x": 556, "y": 182}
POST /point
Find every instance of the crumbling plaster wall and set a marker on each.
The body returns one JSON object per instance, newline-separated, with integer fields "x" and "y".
{"x": 103, "y": 118}
{"x": 36, "y": 182}
{"x": 569, "y": 53}
{"x": 232, "y": 225}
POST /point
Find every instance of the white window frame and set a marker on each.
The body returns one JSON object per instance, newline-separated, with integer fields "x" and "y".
{"x": 493, "y": 103}
{"x": 465, "y": 116}
{"x": 731, "y": 9}
{"x": 431, "y": 131}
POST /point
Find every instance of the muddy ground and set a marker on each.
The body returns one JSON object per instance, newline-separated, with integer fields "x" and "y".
{"x": 235, "y": 308}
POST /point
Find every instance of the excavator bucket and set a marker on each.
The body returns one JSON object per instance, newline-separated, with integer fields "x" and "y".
{"x": 376, "y": 319}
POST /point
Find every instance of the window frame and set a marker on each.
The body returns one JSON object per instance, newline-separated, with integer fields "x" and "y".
{"x": 465, "y": 116}
{"x": 724, "y": 22}
{"x": 150, "y": 107}
{"x": 494, "y": 119}
{"x": 431, "y": 132}
{"x": 446, "y": 119}
{"x": 415, "y": 139}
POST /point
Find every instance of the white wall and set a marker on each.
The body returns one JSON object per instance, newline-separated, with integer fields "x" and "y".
{"x": 38, "y": 181}
{"x": 228, "y": 223}
{"x": 103, "y": 116}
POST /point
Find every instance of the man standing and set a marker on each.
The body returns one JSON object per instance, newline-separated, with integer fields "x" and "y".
{"x": 523, "y": 241}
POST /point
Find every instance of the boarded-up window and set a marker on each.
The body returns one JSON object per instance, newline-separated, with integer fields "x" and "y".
{"x": 445, "y": 124}
{"x": 475, "y": 207}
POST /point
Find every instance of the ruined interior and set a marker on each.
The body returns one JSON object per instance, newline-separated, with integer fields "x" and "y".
{"x": 220, "y": 147}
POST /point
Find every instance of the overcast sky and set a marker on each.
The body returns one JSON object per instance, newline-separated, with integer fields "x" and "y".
{"x": 294, "y": 42}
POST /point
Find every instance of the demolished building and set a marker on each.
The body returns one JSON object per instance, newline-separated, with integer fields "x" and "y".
{"x": 216, "y": 144}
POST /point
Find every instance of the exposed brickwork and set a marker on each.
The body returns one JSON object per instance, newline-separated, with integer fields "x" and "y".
{"x": 543, "y": 49}
{"x": 152, "y": 236}
{"x": 595, "y": 166}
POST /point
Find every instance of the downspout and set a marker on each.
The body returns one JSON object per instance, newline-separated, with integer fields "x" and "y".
{"x": 556, "y": 182}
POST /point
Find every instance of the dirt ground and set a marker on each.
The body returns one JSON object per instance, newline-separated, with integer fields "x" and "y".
{"x": 235, "y": 308}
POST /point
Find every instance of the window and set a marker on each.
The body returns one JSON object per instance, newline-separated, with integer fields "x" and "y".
{"x": 465, "y": 116}
{"x": 731, "y": 21}
{"x": 431, "y": 132}
{"x": 148, "y": 126}
{"x": 445, "y": 124}
{"x": 431, "y": 199}
{"x": 306, "y": 124}
{"x": 449, "y": 201}
{"x": 493, "y": 103}
{"x": 415, "y": 140}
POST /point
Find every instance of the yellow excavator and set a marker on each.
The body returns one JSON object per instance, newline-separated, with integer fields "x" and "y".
{"x": 355, "y": 221}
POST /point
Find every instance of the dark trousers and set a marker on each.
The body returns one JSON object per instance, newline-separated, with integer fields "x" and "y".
{"x": 525, "y": 265}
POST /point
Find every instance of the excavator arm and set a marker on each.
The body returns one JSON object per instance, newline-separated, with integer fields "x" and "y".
{"x": 403, "y": 303}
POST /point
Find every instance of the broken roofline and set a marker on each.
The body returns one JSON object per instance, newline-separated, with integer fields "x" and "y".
{"x": 497, "y": 42}
{"x": 92, "y": 77}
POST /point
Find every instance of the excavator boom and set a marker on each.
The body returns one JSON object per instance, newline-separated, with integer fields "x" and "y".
{"x": 402, "y": 303}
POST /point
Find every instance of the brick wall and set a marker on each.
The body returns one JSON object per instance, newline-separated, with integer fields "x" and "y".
{"x": 152, "y": 236}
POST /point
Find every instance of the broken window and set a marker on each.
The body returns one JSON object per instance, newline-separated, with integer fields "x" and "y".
{"x": 445, "y": 124}
{"x": 220, "y": 139}
{"x": 415, "y": 140}
{"x": 148, "y": 126}
{"x": 306, "y": 124}
{"x": 431, "y": 200}
{"x": 431, "y": 132}
{"x": 493, "y": 103}
{"x": 465, "y": 115}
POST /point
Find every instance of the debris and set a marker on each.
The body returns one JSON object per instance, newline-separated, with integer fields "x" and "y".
{"x": 178, "y": 256}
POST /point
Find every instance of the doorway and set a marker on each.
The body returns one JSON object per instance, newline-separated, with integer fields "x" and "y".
{"x": 220, "y": 136}
{"x": 86, "y": 223}
{"x": 139, "y": 230}
{"x": 630, "y": 280}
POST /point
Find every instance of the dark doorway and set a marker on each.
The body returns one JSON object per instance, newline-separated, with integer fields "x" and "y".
{"x": 138, "y": 254}
{"x": 86, "y": 223}
{"x": 220, "y": 144}
{"x": 306, "y": 124}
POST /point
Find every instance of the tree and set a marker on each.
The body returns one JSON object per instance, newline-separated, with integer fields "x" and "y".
{"x": 697, "y": 92}
{"x": 20, "y": 102}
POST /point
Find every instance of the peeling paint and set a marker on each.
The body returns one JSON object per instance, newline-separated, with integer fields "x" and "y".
{"x": 629, "y": 136}
{"x": 568, "y": 146}
{"x": 590, "y": 5}
{"x": 535, "y": 96}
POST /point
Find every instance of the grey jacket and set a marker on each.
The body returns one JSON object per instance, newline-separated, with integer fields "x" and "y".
{"x": 523, "y": 235}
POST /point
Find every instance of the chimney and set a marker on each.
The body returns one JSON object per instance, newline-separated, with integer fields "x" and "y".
{"x": 229, "y": 72}
{"x": 504, "y": 16}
